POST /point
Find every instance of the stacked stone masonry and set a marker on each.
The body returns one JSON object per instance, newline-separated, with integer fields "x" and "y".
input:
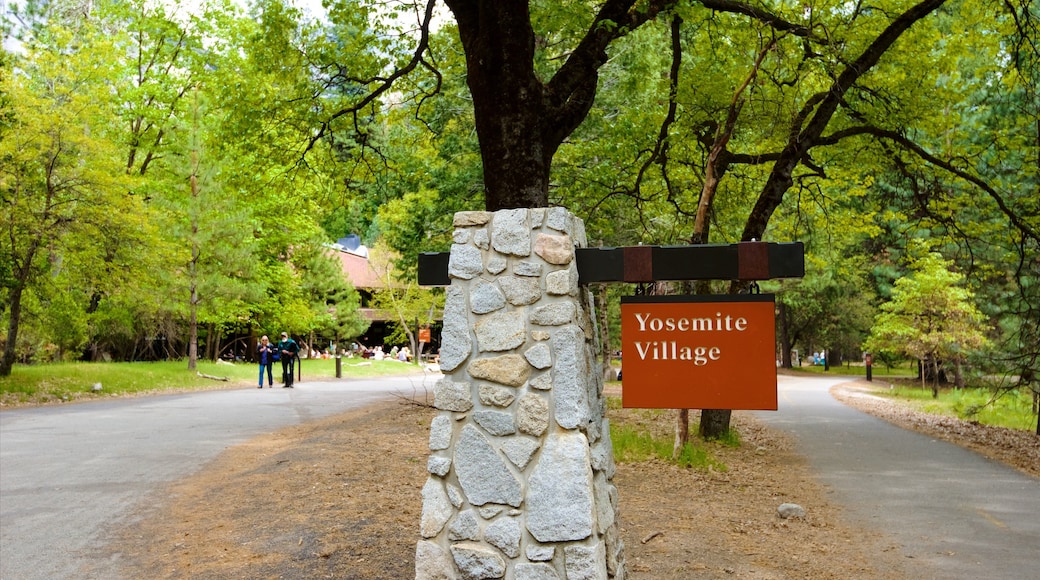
{"x": 520, "y": 467}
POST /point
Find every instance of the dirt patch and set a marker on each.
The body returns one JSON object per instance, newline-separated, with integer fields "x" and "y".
{"x": 340, "y": 498}
{"x": 725, "y": 525}
{"x": 337, "y": 498}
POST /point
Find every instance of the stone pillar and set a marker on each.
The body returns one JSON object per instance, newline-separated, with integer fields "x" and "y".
{"x": 520, "y": 464}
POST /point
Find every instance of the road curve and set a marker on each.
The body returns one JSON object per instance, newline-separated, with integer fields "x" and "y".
{"x": 953, "y": 513}
{"x": 68, "y": 472}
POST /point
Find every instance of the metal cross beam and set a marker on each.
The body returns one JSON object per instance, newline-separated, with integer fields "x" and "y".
{"x": 634, "y": 264}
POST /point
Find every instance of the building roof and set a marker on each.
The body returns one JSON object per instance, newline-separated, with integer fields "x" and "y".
{"x": 360, "y": 271}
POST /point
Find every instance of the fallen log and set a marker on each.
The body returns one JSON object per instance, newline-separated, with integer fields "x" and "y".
{"x": 212, "y": 377}
{"x": 651, "y": 536}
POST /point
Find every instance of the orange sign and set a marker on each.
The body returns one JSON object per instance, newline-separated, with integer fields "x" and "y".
{"x": 698, "y": 352}
{"x": 424, "y": 334}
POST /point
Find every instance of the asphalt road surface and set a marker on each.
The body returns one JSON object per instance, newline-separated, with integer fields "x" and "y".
{"x": 953, "y": 513}
{"x": 68, "y": 472}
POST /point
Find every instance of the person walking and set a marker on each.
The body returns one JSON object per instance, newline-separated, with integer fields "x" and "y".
{"x": 288, "y": 349}
{"x": 265, "y": 354}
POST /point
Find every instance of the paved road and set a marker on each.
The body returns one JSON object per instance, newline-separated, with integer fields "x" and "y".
{"x": 68, "y": 472}
{"x": 954, "y": 513}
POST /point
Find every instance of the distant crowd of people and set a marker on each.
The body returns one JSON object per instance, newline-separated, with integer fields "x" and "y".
{"x": 403, "y": 354}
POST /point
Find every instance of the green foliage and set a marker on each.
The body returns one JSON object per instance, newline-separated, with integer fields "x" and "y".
{"x": 830, "y": 308}
{"x": 407, "y": 304}
{"x": 66, "y": 326}
{"x": 216, "y": 222}
{"x": 61, "y": 185}
{"x": 930, "y": 315}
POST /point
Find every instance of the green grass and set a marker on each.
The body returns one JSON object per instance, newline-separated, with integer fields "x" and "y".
{"x": 1012, "y": 410}
{"x": 730, "y": 438}
{"x": 68, "y": 381}
{"x": 632, "y": 445}
{"x": 638, "y": 435}
{"x": 860, "y": 370}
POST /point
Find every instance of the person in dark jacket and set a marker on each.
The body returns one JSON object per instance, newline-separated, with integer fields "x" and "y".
{"x": 265, "y": 354}
{"x": 288, "y": 349}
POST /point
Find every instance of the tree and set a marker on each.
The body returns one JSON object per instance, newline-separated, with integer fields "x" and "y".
{"x": 818, "y": 78}
{"x": 163, "y": 60}
{"x": 62, "y": 191}
{"x": 205, "y": 89}
{"x": 821, "y": 82}
{"x": 219, "y": 264}
{"x": 522, "y": 120}
{"x": 930, "y": 318}
{"x": 660, "y": 121}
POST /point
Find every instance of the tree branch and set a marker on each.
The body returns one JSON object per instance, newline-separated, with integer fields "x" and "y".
{"x": 659, "y": 153}
{"x": 921, "y": 152}
{"x": 385, "y": 84}
{"x": 718, "y": 158}
{"x": 759, "y": 14}
{"x": 568, "y": 94}
{"x": 804, "y": 139}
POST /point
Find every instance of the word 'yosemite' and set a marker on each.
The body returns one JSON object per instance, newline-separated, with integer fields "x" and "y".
{"x": 720, "y": 323}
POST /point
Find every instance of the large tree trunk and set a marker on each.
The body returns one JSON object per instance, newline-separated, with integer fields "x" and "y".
{"x": 508, "y": 102}
{"x": 714, "y": 423}
{"x": 7, "y": 363}
{"x": 785, "y": 341}
{"x": 521, "y": 120}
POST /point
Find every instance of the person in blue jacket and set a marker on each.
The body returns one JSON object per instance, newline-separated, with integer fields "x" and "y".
{"x": 265, "y": 354}
{"x": 288, "y": 349}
